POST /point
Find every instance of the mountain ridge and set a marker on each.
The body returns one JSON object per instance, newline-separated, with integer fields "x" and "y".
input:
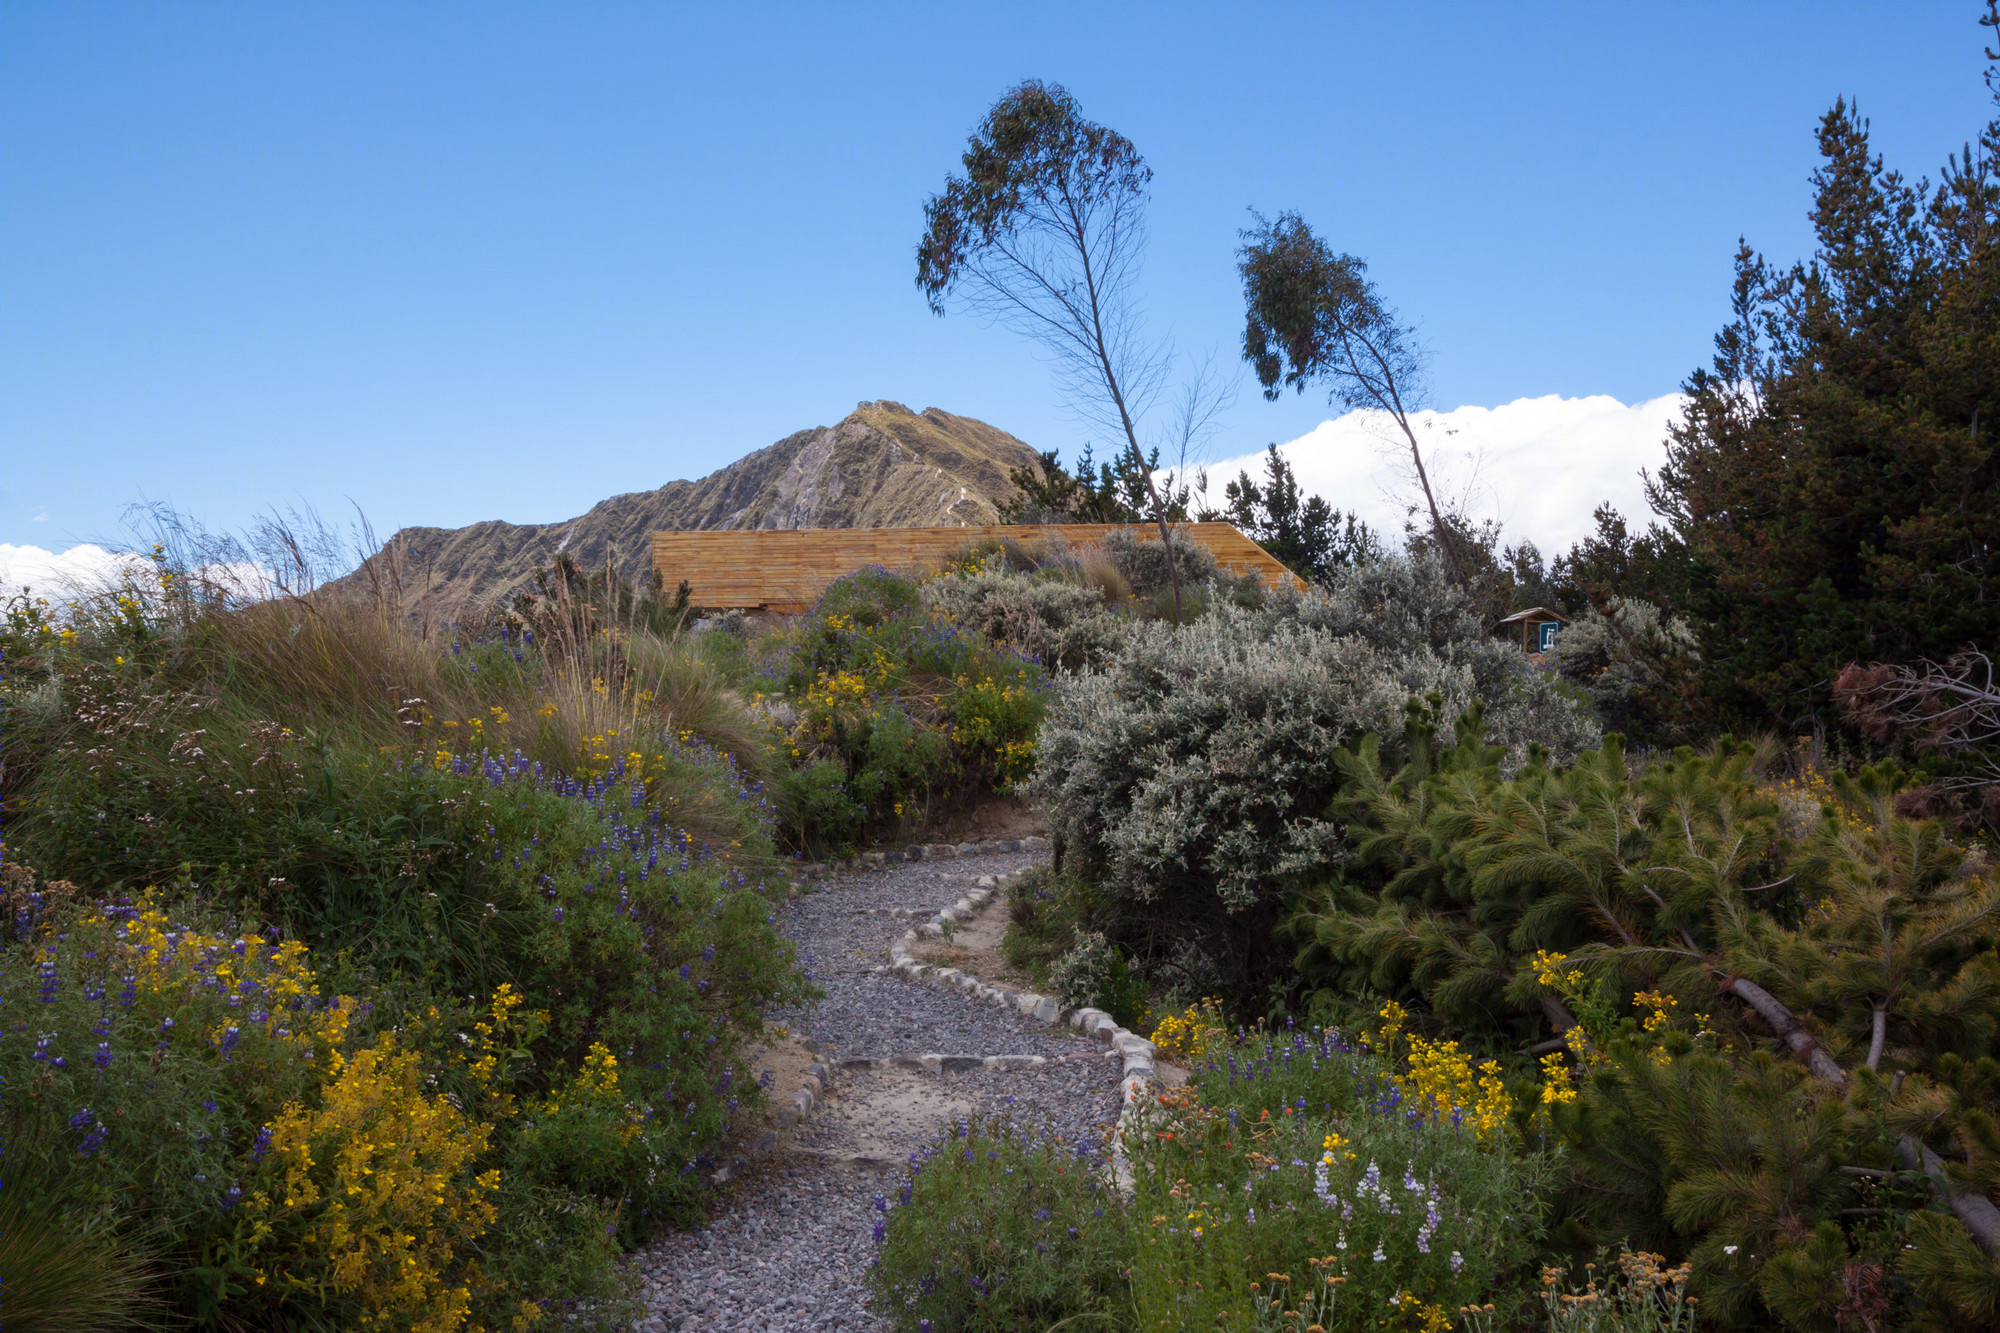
{"x": 882, "y": 465}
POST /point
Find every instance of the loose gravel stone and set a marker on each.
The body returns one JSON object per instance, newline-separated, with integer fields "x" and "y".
{"x": 791, "y": 1246}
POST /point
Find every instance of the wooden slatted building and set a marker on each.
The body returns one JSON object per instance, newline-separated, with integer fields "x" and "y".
{"x": 786, "y": 569}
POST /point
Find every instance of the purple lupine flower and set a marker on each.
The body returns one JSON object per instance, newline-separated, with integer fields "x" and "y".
{"x": 42, "y": 1046}
{"x": 128, "y": 995}
{"x": 1428, "y": 1229}
{"x": 262, "y": 1145}
{"x": 82, "y": 1119}
{"x": 103, "y": 1056}
{"x": 231, "y": 1037}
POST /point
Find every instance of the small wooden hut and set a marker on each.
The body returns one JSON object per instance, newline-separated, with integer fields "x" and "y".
{"x": 1539, "y": 628}
{"x": 786, "y": 569}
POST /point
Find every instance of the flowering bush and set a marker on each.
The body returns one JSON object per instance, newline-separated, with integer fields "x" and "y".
{"x": 280, "y": 1148}
{"x": 888, "y": 712}
{"x": 374, "y": 1194}
{"x": 430, "y": 876}
{"x": 1396, "y": 1187}
{"x": 999, "y": 1229}
{"x": 1189, "y": 1034}
{"x": 1296, "y": 1174}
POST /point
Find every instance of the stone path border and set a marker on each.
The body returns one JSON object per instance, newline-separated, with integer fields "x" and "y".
{"x": 818, "y": 1076}
{"x": 922, "y": 851}
{"x": 1134, "y": 1050}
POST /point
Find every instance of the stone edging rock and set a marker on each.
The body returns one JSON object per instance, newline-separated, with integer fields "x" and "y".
{"x": 922, "y": 851}
{"x": 811, "y": 1092}
{"x": 812, "y": 1089}
{"x": 1135, "y": 1052}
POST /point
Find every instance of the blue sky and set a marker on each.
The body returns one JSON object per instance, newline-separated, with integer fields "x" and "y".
{"x": 456, "y": 262}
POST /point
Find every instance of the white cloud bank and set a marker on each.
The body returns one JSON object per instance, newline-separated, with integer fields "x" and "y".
{"x": 1539, "y": 465}
{"x": 57, "y": 573}
{"x": 84, "y": 570}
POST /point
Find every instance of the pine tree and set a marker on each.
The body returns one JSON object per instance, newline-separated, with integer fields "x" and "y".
{"x": 1830, "y": 491}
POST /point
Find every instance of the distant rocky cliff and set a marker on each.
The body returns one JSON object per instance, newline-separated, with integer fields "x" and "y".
{"x": 883, "y": 466}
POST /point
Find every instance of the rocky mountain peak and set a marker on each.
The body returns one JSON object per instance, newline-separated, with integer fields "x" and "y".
{"x": 881, "y": 466}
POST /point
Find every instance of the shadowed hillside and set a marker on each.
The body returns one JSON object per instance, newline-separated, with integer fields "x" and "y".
{"x": 882, "y": 466}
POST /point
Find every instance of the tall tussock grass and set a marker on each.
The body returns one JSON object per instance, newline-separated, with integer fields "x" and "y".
{"x": 577, "y": 676}
{"x": 305, "y": 880}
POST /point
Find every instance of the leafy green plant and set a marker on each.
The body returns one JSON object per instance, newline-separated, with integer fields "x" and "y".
{"x": 1313, "y": 1150}
{"x": 311, "y": 775}
{"x": 999, "y": 1229}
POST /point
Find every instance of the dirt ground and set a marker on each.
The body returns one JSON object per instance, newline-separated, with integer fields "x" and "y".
{"x": 995, "y": 817}
{"x": 975, "y": 947}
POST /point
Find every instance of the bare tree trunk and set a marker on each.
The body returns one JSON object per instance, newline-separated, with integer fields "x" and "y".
{"x": 1446, "y": 542}
{"x": 1804, "y": 1045}
{"x": 1132, "y": 439}
{"x": 1390, "y": 398}
{"x": 1975, "y": 1211}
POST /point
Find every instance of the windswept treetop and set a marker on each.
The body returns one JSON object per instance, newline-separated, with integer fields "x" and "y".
{"x": 1314, "y": 316}
{"x": 1037, "y": 173}
{"x": 1043, "y": 232}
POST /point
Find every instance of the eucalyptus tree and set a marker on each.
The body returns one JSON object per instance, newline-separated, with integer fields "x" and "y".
{"x": 1314, "y": 318}
{"x": 1043, "y": 233}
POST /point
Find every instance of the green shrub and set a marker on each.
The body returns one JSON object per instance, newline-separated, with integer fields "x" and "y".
{"x": 868, "y": 598}
{"x": 190, "y": 1094}
{"x": 999, "y": 1229}
{"x": 1402, "y": 1213}
{"x": 817, "y": 803}
{"x": 1288, "y": 1159}
{"x": 890, "y": 714}
{"x": 331, "y": 773}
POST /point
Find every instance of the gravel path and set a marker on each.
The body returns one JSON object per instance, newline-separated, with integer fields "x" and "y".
{"x": 793, "y": 1241}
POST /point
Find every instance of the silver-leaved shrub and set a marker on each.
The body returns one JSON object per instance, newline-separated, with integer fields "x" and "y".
{"x": 1062, "y": 624}
{"x": 1190, "y": 775}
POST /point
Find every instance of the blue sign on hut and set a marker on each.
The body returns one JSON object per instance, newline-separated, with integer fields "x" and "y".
{"x": 1539, "y": 628}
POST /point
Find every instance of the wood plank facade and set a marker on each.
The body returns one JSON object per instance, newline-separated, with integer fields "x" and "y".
{"x": 785, "y": 570}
